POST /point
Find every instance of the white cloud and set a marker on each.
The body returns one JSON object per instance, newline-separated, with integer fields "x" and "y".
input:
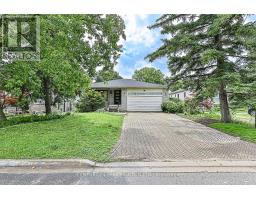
{"x": 137, "y": 31}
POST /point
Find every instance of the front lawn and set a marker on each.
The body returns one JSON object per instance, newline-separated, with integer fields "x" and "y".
{"x": 89, "y": 135}
{"x": 245, "y": 132}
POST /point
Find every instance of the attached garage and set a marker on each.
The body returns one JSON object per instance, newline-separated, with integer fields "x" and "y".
{"x": 144, "y": 100}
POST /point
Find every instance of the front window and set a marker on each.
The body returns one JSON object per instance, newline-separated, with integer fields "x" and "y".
{"x": 117, "y": 97}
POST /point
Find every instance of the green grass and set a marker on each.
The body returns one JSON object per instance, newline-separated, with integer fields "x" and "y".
{"x": 241, "y": 114}
{"x": 205, "y": 115}
{"x": 242, "y": 125}
{"x": 90, "y": 136}
{"x": 244, "y": 131}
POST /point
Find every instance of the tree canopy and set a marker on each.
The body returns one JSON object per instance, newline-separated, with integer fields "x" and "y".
{"x": 107, "y": 75}
{"x": 71, "y": 47}
{"x": 150, "y": 75}
{"x": 208, "y": 51}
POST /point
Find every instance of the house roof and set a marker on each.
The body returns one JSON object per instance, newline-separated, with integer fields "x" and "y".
{"x": 126, "y": 83}
{"x": 178, "y": 91}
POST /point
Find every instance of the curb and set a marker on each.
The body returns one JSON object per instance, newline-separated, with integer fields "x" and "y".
{"x": 48, "y": 163}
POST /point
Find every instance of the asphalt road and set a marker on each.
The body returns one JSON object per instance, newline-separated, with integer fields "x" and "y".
{"x": 131, "y": 178}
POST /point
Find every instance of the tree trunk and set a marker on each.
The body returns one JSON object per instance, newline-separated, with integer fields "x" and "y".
{"x": 224, "y": 107}
{"x": 2, "y": 115}
{"x": 47, "y": 95}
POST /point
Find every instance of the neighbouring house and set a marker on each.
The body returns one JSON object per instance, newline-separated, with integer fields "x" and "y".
{"x": 35, "y": 107}
{"x": 183, "y": 94}
{"x": 39, "y": 107}
{"x": 131, "y": 95}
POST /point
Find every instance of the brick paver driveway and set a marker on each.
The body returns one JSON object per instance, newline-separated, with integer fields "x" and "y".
{"x": 161, "y": 136}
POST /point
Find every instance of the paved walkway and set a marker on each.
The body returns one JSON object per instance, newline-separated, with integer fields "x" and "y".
{"x": 161, "y": 136}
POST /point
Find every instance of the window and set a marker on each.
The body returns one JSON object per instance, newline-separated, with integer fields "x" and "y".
{"x": 184, "y": 94}
{"x": 178, "y": 96}
{"x": 145, "y": 93}
{"x": 117, "y": 97}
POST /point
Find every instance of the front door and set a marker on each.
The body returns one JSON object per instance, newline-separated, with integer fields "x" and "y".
{"x": 117, "y": 97}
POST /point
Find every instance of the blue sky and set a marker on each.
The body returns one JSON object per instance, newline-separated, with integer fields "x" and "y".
{"x": 140, "y": 41}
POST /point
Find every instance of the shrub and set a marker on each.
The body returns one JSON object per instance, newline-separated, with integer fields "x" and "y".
{"x": 173, "y": 106}
{"x": 90, "y": 101}
{"x": 30, "y": 118}
{"x": 207, "y": 104}
{"x": 191, "y": 106}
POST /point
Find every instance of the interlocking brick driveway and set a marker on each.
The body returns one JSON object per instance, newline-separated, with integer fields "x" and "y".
{"x": 161, "y": 136}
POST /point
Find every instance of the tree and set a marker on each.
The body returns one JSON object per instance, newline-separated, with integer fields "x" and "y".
{"x": 70, "y": 42}
{"x": 71, "y": 47}
{"x": 206, "y": 49}
{"x": 18, "y": 81}
{"x": 90, "y": 101}
{"x": 149, "y": 74}
{"x": 108, "y": 75}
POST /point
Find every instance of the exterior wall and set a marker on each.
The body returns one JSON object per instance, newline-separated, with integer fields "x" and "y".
{"x": 123, "y": 106}
{"x": 38, "y": 107}
{"x": 182, "y": 95}
{"x": 165, "y": 95}
{"x": 12, "y": 110}
{"x": 110, "y": 97}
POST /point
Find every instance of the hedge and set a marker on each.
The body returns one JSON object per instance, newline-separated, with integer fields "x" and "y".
{"x": 30, "y": 118}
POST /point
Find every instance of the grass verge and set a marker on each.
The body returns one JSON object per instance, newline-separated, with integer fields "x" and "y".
{"x": 244, "y": 131}
{"x": 239, "y": 128}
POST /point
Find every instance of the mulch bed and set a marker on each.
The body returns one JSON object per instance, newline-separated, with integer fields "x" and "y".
{"x": 207, "y": 121}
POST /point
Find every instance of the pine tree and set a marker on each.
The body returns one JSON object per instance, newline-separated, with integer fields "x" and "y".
{"x": 206, "y": 50}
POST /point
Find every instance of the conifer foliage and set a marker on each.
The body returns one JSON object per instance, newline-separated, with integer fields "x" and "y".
{"x": 208, "y": 51}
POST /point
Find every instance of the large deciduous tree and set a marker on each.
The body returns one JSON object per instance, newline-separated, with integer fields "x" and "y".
{"x": 107, "y": 75}
{"x": 70, "y": 43}
{"x": 71, "y": 47}
{"x": 149, "y": 74}
{"x": 206, "y": 50}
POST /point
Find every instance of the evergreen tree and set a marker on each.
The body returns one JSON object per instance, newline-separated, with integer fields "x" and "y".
{"x": 206, "y": 50}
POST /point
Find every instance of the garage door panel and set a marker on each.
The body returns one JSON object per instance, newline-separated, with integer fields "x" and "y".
{"x": 144, "y": 103}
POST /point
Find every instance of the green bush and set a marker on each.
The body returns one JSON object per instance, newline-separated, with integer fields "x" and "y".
{"x": 30, "y": 118}
{"x": 191, "y": 106}
{"x": 173, "y": 106}
{"x": 90, "y": 101}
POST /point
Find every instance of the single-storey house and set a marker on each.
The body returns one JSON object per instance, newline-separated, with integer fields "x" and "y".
{"x": 131, "y": 95}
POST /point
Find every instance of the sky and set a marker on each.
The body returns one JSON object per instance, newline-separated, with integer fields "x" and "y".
{"x": 140, "y": 41}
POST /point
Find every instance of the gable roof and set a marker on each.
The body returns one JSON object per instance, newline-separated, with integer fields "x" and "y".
{"x": 126, "y": 83}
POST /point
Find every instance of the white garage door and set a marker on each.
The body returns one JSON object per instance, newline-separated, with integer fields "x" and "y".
{"x": 144, "y": 101}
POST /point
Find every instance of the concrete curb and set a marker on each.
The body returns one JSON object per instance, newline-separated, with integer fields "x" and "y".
{"x": 48, "y": 163}
{"x": 182, "y": 163}
{"x": 82, "y": 165}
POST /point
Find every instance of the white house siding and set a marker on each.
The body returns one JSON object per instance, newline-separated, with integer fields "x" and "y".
{"x": 182, "y": 95}
{"x": 145, "y": 99}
